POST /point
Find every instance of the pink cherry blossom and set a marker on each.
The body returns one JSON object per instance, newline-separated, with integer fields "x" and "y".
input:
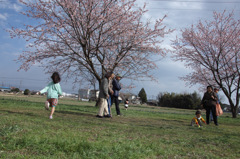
{"x": 82, "y": 38}
{"x": 212, "y": 50}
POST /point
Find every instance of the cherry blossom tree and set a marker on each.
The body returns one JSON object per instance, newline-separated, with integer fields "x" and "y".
{"x": 212, "y": 50}
{"x": 82, "y": 38}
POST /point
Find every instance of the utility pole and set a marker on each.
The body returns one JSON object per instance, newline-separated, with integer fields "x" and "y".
{"x": 20, "y": 85}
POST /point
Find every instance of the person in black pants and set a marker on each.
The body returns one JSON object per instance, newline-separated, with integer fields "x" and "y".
{"x": 209, "y": 102}
{"x": 116, "y": 89}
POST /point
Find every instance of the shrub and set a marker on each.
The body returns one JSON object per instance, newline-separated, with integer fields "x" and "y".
{"x": 26, "y": 92}
{"x": 15, "y": 90}
{"x": 185, "y": 101}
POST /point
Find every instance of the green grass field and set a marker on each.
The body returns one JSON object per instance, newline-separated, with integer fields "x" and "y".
{"x": 143, "y": 132}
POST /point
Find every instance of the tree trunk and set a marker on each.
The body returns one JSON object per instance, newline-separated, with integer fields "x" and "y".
{"x": 234, "y": 108}
{"x": 95, "y": 92}
{"x": 234, "y": 111}
{"x": 97, "y": 99}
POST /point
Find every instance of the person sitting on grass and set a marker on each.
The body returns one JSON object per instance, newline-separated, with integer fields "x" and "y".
{"x": 198, "y": 119}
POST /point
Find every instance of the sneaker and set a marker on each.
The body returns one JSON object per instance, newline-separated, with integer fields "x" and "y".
{"x": 98, "y": 116}
{"x": 47, "y": 105}
{"x": 50, "y": 117}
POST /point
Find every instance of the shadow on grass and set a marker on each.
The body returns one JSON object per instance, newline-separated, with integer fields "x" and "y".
{"x": 60, "y": 112}
{"x": 70, "y": 106}
{"x": 74, "y": 110}
{"x": 77, "y": 108}
{"x": 21, "y": 113}
{"x": 75, "y": 113}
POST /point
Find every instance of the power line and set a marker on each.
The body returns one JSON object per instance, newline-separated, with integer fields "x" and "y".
{"x": 17, "y": 78}
{"x": 190, "y": 9}
{"x": 195, "y": 1}
{"x": 190, "y": 1}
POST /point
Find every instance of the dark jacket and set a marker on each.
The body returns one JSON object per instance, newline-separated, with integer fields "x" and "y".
{"x": 209, "y": 99}
{"x": 116, "y": 87}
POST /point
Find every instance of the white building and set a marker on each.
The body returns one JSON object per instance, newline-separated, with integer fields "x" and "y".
{"x": 84, "y": 94}
{"x": 5, "y": 89}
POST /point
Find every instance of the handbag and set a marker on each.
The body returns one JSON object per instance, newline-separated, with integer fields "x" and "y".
{"x": 218, "y": 110}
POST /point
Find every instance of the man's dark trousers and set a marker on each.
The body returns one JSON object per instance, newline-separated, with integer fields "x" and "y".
{"x": 116, "y": 101}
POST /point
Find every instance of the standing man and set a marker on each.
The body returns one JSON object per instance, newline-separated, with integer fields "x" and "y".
{"x": 103, "y": 96}
{"x": 116, "y": 89}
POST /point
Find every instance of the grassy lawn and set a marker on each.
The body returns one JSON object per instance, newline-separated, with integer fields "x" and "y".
{"x": 143, "y": 132}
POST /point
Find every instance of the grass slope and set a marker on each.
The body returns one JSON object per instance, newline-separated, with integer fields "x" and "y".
{"x": 142, "y": 132}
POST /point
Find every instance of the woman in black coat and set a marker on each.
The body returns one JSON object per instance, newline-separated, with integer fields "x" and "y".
{"x": 209, "y": 102}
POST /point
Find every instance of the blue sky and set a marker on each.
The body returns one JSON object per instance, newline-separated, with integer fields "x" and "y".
{"x": 180, "y": 14}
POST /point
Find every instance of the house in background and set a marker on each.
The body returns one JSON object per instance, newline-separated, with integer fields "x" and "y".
{"x": 5, "y": 89}
{"x": 70, "y": 95}
{"x": 87, "y": 94}
{"x": 152, "y": 102}
{"x": 132, "y": 98}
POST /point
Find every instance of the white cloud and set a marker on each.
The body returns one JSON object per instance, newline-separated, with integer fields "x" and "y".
{"x": 3, "y": 16}
{"x": 6, "y": 4}
{"x": 185, "y": 5}
{"x": 17, "y": 7}
{"x": 5, "y": 45}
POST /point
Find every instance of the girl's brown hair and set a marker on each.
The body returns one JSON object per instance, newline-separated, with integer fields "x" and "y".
{"x": 56, "y": 77}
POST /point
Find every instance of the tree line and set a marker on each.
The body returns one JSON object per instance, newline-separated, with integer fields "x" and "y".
{"x": 175, "y": 100}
